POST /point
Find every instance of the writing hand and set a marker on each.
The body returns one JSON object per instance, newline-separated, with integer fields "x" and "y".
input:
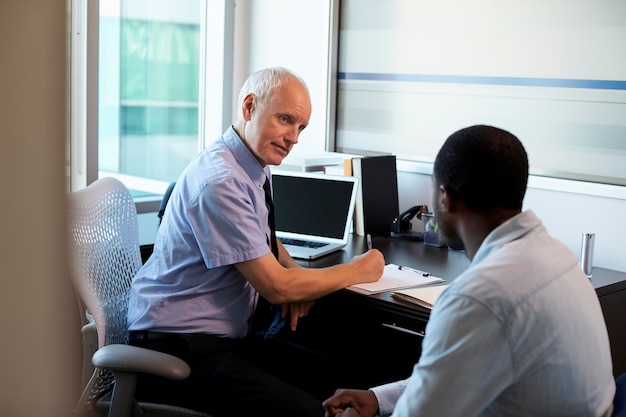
{"x": 369, "y": 265}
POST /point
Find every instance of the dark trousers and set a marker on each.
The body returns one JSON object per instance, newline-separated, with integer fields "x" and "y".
{"x": 250, "y": 377}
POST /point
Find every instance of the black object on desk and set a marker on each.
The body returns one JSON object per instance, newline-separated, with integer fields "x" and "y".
{"x": 414, "y": 236}
{"x": 402, "y": 228}
{"x": 378, "y": 203}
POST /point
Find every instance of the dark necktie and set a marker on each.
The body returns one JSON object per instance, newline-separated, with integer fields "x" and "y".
{"x": 270, "y": 217}
{"x": 264, "y": 311}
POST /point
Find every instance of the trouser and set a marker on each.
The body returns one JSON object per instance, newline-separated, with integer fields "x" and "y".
{"x": 249, "y": 377}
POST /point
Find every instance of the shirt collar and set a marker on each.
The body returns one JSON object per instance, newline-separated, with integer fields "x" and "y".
{"x": 245, "y": 157}
{"x": 512, "y": 229}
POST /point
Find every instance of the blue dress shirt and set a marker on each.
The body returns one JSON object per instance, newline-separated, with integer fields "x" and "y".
{"x": 216, "y": 217}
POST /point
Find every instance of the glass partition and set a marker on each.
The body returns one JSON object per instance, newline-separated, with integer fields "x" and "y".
{"x": 552, "y": 72}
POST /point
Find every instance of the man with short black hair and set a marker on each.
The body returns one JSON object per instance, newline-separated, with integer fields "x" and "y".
{"x": 520, "y": 333}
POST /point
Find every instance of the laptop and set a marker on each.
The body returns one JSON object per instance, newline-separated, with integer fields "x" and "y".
{"x": 313, "y": 211}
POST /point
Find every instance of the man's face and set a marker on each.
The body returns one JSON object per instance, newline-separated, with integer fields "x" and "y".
{"x": 444, "y": 218}
{"x": 273, "y": 129}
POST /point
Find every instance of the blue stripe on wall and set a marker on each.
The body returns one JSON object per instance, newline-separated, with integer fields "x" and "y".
{"x": 469, "y": 79}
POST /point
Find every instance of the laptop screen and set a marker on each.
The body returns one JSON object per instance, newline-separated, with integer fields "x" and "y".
{"x": 313, "y": 204}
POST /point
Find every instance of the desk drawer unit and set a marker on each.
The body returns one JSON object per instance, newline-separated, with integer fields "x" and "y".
{"x": 377, "y": 340}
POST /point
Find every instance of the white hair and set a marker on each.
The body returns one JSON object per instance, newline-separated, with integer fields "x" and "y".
{"x": 263, "y": 82}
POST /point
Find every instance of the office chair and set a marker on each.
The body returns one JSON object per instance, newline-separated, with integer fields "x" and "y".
{"x": 164, "y": 200}
{"x": 105, "y": 255}
{"x": 619, "y": 402}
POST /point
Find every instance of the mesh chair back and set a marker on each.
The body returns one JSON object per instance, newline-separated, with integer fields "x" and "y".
{"x": 104, "y": 241}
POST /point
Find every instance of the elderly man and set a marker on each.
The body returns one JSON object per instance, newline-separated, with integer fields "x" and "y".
{"x": 216, "y": 253}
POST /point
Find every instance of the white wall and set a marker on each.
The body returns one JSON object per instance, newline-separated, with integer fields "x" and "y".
{"x": 40, "y": 353}
{"x": 566, "y": 215}
{"x": 293, "y": 33}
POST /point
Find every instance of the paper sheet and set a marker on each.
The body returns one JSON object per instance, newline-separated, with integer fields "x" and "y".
{"x": 422, "y": 296}
{"x": 395, "y": 278}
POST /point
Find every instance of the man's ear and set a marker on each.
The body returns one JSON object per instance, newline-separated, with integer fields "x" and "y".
{"x": 447, "y": 202}
{"x": 247, "y": 107}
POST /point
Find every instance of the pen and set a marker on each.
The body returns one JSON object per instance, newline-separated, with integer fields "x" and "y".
{"x": 422, "y": 273}
{"x": 369, "y": 241}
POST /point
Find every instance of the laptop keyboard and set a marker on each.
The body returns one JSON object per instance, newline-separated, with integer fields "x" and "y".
{"x": 303, "y": 243}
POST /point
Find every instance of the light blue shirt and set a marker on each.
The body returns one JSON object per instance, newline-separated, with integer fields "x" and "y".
{"x": 216, "y": 217}
{"x": 520, "y": 333}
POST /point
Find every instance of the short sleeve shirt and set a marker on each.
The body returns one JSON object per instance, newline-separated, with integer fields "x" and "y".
{"x": 215, "y": 218}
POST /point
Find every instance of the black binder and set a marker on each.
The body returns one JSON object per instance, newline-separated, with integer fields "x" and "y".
{"x": 378, "y": 203}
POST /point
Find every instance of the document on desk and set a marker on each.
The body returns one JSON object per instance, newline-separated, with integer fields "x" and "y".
{"x": 422, "y": 296}
{"x": 396, "y": 277}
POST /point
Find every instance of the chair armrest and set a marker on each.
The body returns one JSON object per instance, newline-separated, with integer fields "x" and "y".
{"x": 128, "y": 358}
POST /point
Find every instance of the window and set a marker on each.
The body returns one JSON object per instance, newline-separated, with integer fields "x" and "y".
{"x": 552, "y": 72}
{"x": 145, "y": 121}
{"x": 148, "y": 89}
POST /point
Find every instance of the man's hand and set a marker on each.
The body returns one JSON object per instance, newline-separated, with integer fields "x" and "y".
{"x": 369, "y": 265}
{"x": 295, "y": 311}
{"x": 351, "y": 403}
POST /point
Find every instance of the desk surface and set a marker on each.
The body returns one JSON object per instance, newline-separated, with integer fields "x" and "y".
{"x": 441, "y": 262}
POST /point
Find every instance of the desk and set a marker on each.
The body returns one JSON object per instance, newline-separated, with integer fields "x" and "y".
{"x": 383, "y": 335}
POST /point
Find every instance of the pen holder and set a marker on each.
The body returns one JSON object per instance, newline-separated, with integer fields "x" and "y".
{"x": 432, "y": 237}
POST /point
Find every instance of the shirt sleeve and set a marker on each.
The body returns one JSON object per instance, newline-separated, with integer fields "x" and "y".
{"x": 228, "y": 223}
{"x": 465, "y": 352}
{"x": 387, "y": 395}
